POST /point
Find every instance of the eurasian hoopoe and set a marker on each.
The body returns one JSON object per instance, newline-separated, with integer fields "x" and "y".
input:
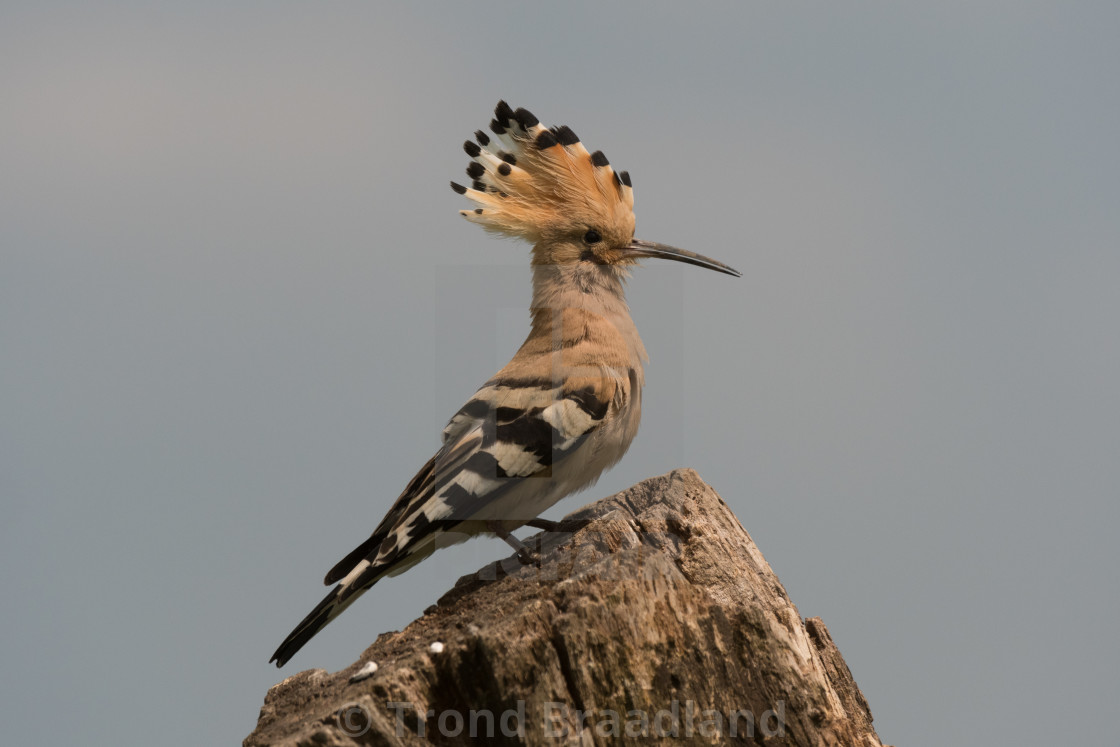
{"x": 567, "y": 406}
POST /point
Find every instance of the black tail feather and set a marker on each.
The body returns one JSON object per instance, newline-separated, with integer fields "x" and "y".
{"x": 339, "y": 598}
{"x": 357, "y": 555}
{"x": 307, "y": 629}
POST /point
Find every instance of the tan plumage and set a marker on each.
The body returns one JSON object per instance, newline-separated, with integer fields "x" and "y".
{"x": 567, "y": 406}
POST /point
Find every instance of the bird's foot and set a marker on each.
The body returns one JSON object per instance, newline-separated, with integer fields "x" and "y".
{"x": 525, "y": 554}
{"x": 546, "y": 524}
{"x": 528, "y": 556}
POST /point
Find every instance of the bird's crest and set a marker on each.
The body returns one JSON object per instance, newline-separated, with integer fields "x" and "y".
{"x": 539, "y": 183}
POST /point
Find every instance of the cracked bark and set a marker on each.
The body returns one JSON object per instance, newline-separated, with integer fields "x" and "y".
{"x": 652, "y": 597}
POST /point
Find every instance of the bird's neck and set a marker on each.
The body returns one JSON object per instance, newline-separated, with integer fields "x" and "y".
{"x": 594, "y": 289}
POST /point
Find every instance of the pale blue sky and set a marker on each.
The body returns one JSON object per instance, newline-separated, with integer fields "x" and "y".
{"x": 237, "y": 306}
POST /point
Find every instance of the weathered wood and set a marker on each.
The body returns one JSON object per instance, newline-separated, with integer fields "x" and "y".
{"x": 653, "y": 613}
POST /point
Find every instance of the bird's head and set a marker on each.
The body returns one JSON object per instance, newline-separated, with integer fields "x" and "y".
{"x": 543, "y": 185}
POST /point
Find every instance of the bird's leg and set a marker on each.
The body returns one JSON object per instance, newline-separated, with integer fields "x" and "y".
{"x": 524, "y": 554}
{"x": 545, "y": 524}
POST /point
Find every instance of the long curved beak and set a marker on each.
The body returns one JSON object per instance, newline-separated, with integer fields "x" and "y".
{"x": 639, "y": 248}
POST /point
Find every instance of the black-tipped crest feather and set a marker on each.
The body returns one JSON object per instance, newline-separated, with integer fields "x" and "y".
{"x": 539, "y": 185}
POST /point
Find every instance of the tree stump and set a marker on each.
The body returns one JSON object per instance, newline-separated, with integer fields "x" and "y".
{"x": 652, "y": 615}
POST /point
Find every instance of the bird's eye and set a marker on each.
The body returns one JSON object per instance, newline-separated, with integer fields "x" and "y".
{"x": 592, "y": 237}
